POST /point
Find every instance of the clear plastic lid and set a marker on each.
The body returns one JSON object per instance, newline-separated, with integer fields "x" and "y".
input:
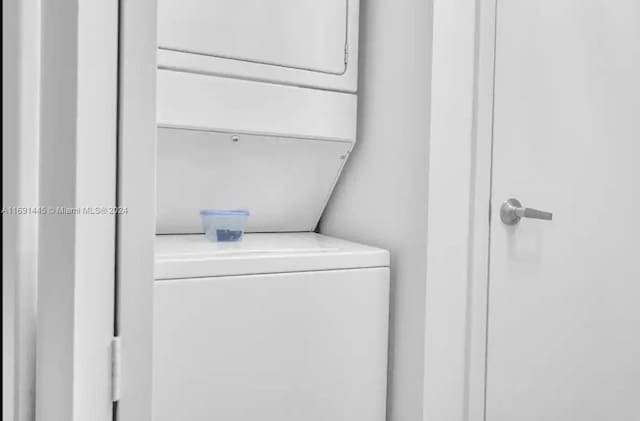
{"x": 217, "y": 212}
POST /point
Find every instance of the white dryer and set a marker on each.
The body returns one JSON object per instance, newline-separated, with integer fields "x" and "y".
{"x": 307, "y": 43}
{"x": 256, "y": 109}
{"x": 277, "y": 327}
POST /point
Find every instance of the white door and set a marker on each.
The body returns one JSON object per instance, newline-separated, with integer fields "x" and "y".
{"x": 564, "y": 299}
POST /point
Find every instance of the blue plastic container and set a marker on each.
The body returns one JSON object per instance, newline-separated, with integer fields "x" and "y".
{"x": 224, "y": 225}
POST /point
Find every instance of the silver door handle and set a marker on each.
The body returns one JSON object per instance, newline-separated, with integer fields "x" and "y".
{"x": 512, "y": 211}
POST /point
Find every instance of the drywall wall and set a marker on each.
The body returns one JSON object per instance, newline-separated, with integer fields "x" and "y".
{"x": 381, "y": 198}
{"x": 20, "y": 115}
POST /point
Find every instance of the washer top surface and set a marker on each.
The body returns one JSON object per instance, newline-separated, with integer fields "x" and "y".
{"x": 193, "y": 256}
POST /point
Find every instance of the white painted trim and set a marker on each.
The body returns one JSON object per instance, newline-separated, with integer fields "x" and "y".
{"x": 77, "y": 170}
{"x": 448, "y": 222}
{"x": 458, "y": 222}
{"x": 480, "y": 211}
{"x": 136, "y": 192}
{"x": 10, "y": 189}
{"x": 21, "y": 105}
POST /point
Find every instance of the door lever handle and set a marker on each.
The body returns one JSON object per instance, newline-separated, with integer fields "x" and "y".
{"x": 512, "y": 211}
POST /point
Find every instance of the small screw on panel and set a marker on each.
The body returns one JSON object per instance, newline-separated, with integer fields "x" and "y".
{"x": 235, "y": 138}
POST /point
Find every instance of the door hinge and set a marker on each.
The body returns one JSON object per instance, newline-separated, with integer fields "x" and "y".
{"x": 116, "y": 365}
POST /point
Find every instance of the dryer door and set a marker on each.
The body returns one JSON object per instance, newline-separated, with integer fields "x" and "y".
{"x": 301, "y": 34}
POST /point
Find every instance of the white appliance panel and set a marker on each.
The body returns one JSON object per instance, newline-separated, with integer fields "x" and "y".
{"x": 219, "y": 103}
{"x": 191, "y": 256}
{"x": 304, "y": 34}
{"x": 285, "y": 183}
{"x": 296, "y": 42}
{"x": 280, "y": 347}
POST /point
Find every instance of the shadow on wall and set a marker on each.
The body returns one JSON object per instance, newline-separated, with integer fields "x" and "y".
{"x": 381, "y": 198}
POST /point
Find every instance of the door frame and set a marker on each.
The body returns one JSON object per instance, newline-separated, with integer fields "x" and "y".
{"x": 97, "y": 145}
{"x": 459, "y": 209}
{"x": 78, "y": 126}
{"x": 20, "y": 144}
{"x": 136, "y": 191}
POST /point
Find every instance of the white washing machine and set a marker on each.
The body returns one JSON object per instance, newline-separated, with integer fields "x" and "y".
{"x": 257, "y": 110}
{"x": 277, "y": 327}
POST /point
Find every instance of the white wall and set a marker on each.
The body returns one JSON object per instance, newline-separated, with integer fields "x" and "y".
{"x": 381, "y": 198}
{"x": 20, "y": 110}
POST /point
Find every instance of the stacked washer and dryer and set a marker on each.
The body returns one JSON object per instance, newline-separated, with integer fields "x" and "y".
{"x": 257, "y": 110}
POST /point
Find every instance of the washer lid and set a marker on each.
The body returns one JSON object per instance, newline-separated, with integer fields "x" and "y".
{"x": 192, "y": 256}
